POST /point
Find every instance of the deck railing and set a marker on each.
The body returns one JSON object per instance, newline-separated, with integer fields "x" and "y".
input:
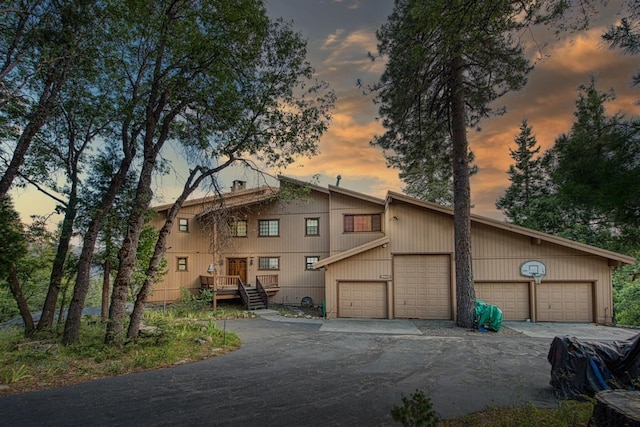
{"x": 268, "y": 280}
{"x": 262, "y": 292}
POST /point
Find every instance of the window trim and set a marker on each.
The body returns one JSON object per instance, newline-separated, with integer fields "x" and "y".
{"x": 268, "y": 258}
{"x": 352, "y": 225}
{"x": 306, "y": 227}
{"x": 234, "y": 228}
{"x": 186, "y": 264}
{"x": 260, "y": 221}
{"x": 186, "y": 225}
{"x": 309, "y": 266}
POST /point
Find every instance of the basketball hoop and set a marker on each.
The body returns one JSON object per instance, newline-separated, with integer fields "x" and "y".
{"x": 535, "y": 269}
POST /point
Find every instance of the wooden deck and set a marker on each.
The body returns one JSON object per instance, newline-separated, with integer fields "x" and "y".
{"x": 227, "y": 287}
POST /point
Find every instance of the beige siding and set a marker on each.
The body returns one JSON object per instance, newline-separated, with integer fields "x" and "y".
{"x": 419, "y": 231}
{"x": 498, "y": 254}
{"x": 291, "y": 247}
{"x": 341, "y": 205}
{"x": 373, "y": 265}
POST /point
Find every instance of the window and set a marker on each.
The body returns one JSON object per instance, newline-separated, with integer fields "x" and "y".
{"x": 183, "y": 224}
{"x": 362, "y": 223}
{"x": 312, "y": 226}
{"x": 182, "y": 263}
{"x": 268, "y": 263}
{"x": 268, "y": 227}
{"x": 309, "y": 260}
{"x": 239, "y": 228}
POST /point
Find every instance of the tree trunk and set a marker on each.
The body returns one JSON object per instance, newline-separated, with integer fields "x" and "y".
{"x": 106, "y": 281}
{"x": 23, "y": 306}
{"x": 57, "y": 270}
{"x": 128, "y": 252}
{"x": 465, "y": 294}
{"x": 160, "y": 247}
{"x": 72, "y": 326}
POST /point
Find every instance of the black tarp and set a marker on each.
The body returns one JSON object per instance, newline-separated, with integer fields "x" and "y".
{"x": 581, "y": 368}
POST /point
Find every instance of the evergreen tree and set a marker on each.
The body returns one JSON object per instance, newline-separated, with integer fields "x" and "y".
{"x": 448, "y": 61}
{"x": 525, "y": 174}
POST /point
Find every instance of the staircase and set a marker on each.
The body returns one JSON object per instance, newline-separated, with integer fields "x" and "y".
{"x": 252, "y": 298}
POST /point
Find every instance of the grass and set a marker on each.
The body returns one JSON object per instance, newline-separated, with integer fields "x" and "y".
{"x": 568, "y": 414}
{"x": 176, "y": 336}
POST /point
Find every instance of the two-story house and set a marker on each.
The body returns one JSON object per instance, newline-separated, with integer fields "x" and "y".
{"x": 377, "y": 258}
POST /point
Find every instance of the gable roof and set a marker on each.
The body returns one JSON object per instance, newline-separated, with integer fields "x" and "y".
{"x": 353, "y": 251}
{"x": 356, "y": 195}
{"x": 391, "y": 196}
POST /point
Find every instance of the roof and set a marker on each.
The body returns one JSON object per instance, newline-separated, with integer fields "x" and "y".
{"x": 355, "y": 194}
{"x": 351, "y": 252}
{"x": 238, "y": 198}
{"x": 515, "y": 229}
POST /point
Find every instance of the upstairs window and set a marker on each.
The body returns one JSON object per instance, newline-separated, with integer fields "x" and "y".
{"x": 268, "y": 228}
{"x": 182, "y": 263}
{"x": 312, "y": 226}
{"x": 310, "y": 260}
{"x": 239, "y": 228}
{"x": 269, "y": 263}
{"x": 362, "y": 223}
{"x": 183, "y": 225}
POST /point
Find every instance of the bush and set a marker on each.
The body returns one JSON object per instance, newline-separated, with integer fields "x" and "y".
{"x": 415, "y": 411}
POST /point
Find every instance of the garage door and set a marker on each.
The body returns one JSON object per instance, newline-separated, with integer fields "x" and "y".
{"x": 512, "y": 298}
{"x": 564, "y": 302}
{"x": 362, "y": 299}
{"x": 422, "y": 287}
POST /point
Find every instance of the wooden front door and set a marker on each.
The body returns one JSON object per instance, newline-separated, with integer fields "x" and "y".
{"x": 237, "y": 267}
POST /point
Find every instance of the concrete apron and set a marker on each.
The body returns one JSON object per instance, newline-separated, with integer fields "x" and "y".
{"x": 586, "y": 331}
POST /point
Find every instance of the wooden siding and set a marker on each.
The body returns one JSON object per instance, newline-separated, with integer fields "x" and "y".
{"x": 290, "y": 247}
{"x": 373, "y": 265}
{"x": 341, "y": 205}
{"x": 498, "y": 254}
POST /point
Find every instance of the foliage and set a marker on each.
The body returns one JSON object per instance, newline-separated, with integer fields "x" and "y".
{"x": 416, "y": 411}
{"x": 43, "y": 363}
{"x": 626, "y": 294}
{"x": 448, "y": 61}
{"x": 526, "y": 176}
{"x": 626, "y": 35}
{"x": 568, "y": 414}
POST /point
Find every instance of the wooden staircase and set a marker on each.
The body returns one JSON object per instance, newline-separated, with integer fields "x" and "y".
{"x": 254, "y": 298}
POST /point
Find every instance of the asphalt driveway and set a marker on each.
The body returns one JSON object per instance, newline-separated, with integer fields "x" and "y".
{"x": 292, "y": 373}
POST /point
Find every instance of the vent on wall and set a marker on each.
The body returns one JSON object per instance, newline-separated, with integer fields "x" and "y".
{"x": 238, "y": 186}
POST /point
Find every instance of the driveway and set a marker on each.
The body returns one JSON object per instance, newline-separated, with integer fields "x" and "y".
{"x": 293, "y": 373}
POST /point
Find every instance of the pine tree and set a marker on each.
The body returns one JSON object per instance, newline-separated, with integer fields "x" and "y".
{"x": 526, "y": 176}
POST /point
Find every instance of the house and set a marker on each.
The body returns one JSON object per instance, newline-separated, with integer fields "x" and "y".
{"x": 386, "y": 258}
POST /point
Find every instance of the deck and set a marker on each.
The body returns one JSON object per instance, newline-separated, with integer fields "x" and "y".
{"x": 232, "y": 287}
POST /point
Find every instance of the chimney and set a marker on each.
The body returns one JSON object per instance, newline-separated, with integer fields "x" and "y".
{"x": 238, "y": 185}
{"x": 338, "y": 178}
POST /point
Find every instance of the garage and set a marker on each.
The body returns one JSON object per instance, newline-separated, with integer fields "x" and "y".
{"x": 512, "y": 298}
{"x": 422, "y": 287}
{"x": 362, "y": 300}
{"x": 564, "y": 302}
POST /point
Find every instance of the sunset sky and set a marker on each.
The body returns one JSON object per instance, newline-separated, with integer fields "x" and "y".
{"x": 340, "y": 33}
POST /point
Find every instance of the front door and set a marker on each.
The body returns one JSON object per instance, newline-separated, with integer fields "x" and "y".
{"x": 237, "y": 267}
